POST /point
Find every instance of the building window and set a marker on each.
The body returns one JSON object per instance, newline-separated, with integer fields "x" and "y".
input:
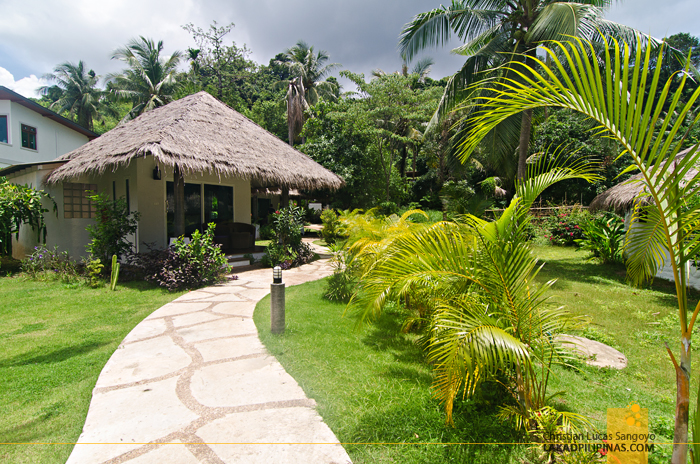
{"x": 28, "y": 137}
{"x": 4, "y": 133}
{"x": 76, "y": 203}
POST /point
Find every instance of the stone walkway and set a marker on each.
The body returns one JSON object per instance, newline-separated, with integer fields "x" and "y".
{"x": 193, "y": 384}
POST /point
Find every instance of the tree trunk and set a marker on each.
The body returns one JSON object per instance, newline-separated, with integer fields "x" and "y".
{"x": 680, "y": 434}
{"x": 524, "y": 144}
{"x": 179, "y": 201}
{"x": 525, "y": 127}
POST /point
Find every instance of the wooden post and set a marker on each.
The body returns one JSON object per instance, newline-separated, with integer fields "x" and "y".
{"x": 179, "y": 201}
{"x": 284, "y": 200}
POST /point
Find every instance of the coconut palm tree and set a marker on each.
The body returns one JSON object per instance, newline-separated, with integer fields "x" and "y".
{"x": 307, "y": 70}
{"x": 149, "y": 82}
{"x": 494, "y": 31}
{"x": 625, "y": 98}
{"x": 79, "y": 95}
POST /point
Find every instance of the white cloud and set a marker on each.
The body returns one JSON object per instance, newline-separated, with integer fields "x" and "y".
{"x": 27, "y": 86}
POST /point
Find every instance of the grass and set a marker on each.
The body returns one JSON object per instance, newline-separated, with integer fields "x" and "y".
{"x": 635, "y": 321}
{"x": 262, "y": 243}
{"x": 320, "y": 242}
{"x": 373, "y": 385}
{"x": 54, "y": 341}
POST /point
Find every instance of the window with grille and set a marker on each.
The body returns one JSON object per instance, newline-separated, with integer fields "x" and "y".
{"x": 76, "y": 203}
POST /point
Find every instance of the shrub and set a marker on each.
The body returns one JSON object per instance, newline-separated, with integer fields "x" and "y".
{"x": 93, "y": 269}
{"x": 113, "y": 224}
{"x": 287, "y": 249}
{"x": 21, "y": 205}
{"x": 565, "y": 227}
{"x": 50, "y": 263}
{"x": 603, "y": 236}
{"x": 341, "y": 284}
{"x": 186, "y": 265}
{"x": 331, "y": 226}
{"x": 196, "y": 264}
{"x": 267, "y": 232}
{"x": 387, "y": 208}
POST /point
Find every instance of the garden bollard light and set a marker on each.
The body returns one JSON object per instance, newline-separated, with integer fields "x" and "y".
{"x": 277, "y": 302}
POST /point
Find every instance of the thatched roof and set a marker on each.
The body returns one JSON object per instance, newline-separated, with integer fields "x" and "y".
{"x": 200, "y": 134}
{"x": 620, "y": 198}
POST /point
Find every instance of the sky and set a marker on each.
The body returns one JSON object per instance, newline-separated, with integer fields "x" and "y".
{"x": 361, "y": 35}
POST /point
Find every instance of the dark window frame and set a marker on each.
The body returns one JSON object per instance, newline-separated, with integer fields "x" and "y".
{"x": 7, "y": 128}
{"x": 31, "y": 134}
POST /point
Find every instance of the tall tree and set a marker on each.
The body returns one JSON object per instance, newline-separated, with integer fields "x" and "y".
{"x": 494, "y": 31}
{"x": 77, "y": 92}
{"x": 149, "y": 82}
{"x": 623, "y": 100}
{"x": 306, "y": 85}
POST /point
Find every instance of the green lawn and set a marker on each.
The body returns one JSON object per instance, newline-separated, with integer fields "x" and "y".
{"x": 54, "y": 341}
{"x": 373, "y": 385}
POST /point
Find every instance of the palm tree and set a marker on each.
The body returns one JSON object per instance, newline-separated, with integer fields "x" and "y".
{"x": 79, "y": 95}
{"x": 307, "y": 69}
{"x": 625, "y": 98}
{"x": 485, "y": 316}
{"x": 495, "y": 31}
{"x": 150, "y": 80}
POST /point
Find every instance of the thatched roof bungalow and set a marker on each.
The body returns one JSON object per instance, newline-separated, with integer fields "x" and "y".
{"x": 196, "y": 146}
{"x": 620, "y": 198}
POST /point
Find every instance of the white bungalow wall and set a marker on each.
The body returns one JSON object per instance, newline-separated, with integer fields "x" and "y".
{"x": 666, "y": 273}
{"x": 146, "y": 195}
{"x": 53, "y": 139}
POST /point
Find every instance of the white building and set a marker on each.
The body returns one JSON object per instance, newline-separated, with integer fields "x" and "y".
{"x": 30, "y": 133}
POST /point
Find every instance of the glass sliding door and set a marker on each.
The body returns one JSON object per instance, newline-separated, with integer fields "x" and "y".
{"x": 218, "y": 204}
{"x": 193, "y": 208}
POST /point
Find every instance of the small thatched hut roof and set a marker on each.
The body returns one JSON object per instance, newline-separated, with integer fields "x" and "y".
{"x": 199, "y": 134}
{"x": 620, "y": 198}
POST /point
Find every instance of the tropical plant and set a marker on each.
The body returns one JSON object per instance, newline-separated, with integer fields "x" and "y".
{"x": 113, "y": 224}
{"x": 565, "y": 226}
{"x": 486, "y": 319}
{"x": 603, "y": 235}
{"x": 21, "y": 205}
{"x": 45, "y": 263}
{"x": 188, "y": 265}
{"x": 494, "y": 32}
{"x": 611, "y": 90}
{"x": 79, "y": 95}
{"x": 331, "y": 231}
{"x": 307, "y": 84}
{"x": 287, "y": 249}
{"x": 114, "y": 277}
{"x": 150, "y": 80}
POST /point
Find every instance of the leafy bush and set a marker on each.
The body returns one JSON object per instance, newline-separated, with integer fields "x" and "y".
{"x": 9, "y": 265}
{"x": 20, "y": 205}
{"x": 196, "y": 264}
{"x": 186, "y": 265}
{"x": 459, "y": 198}
{"x": 114, "y": 224}
{"x": 287, "y": 249}
{"x": 267, "y": 232}
{"x": 93, "y": 269}
{"x": 565, "y": 227}
{"x": 331, "y": 232}
{"x": 387, "y": 208}
{"x": 50, "y": 263}
{"x": 603, "y": 236}
{"x": 341, "y": 284}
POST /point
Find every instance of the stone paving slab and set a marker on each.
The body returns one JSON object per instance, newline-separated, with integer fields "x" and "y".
{"x": 192, "y": 383}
